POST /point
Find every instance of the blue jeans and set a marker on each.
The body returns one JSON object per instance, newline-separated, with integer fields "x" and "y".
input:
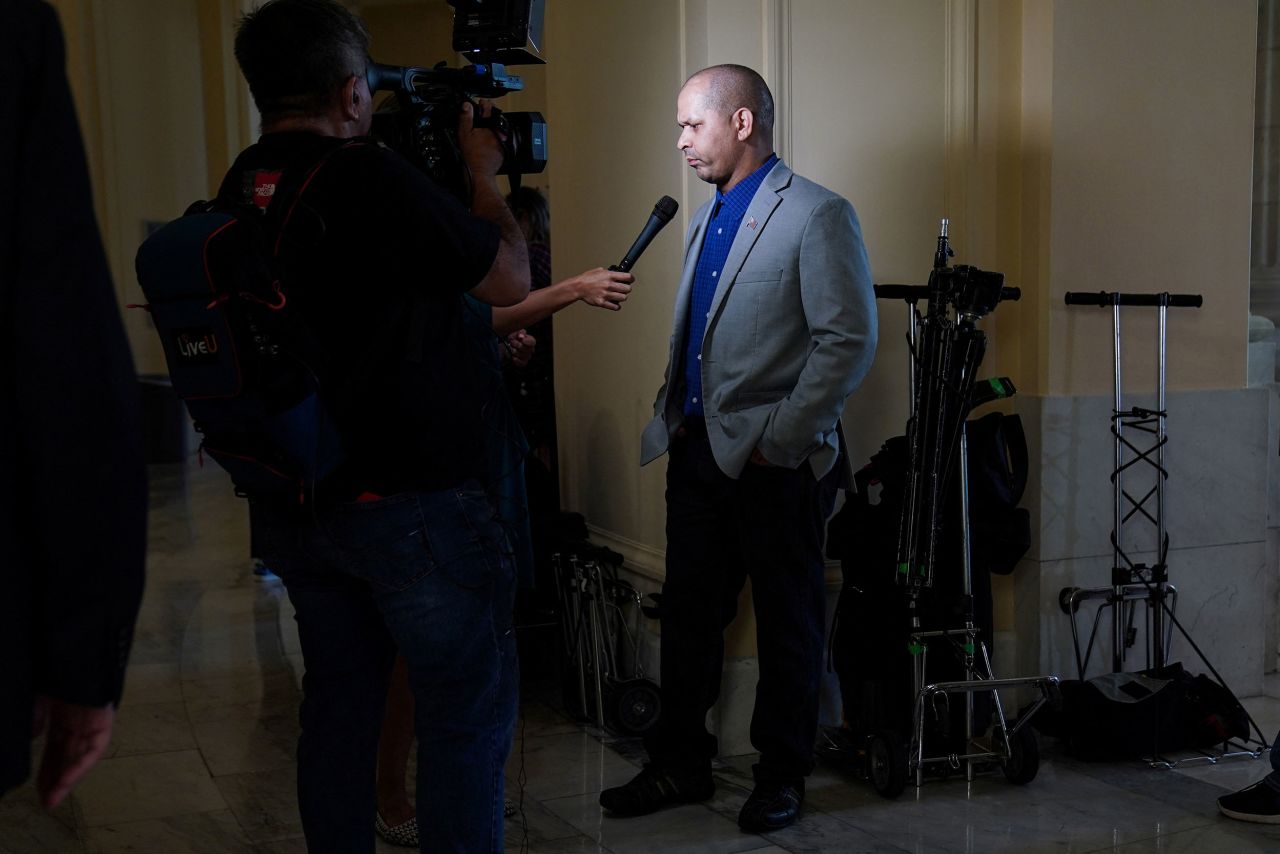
{"x": 429, "y": 574}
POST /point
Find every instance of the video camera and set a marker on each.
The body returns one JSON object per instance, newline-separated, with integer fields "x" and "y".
{"x": 423, "y": 124}
{"x": 974, "y": 293}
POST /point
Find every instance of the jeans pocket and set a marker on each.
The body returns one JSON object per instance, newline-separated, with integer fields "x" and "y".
{"x": 383, "y": 542}
{"x": 467, "y": 540}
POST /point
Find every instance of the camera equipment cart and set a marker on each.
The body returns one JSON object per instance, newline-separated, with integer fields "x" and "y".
{"x": 595, "y": 631}
{"x": 946, "y": 348}
{"x": 1140, "y": 437}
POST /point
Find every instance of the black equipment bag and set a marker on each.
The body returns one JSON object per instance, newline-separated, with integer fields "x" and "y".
{"x": 242, "y": 360}
{"x": 870, "y": 633}
{"x": 1000, "y": 530}
{"x": 1129, "y": 715}
{"x": 868, "y": 640}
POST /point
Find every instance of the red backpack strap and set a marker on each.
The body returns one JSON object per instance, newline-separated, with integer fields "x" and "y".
{"x": 292, "y": 203}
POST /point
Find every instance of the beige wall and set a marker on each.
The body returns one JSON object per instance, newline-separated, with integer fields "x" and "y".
{"x": 409, "y": 33}
{"x": 1152, "y": 148}
{"x": 612, "y": 142}
{"x": 151, "y": 161}
{"x": 231, "y": 121}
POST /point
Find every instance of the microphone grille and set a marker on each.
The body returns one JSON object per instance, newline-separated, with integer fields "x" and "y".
{"x": 666, "y": 208}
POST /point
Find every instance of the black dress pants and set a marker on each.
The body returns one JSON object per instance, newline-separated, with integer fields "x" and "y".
{"x": 767, "y": 526}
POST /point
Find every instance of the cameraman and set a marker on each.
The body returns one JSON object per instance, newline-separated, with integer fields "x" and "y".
{"x": 400, "y": 548}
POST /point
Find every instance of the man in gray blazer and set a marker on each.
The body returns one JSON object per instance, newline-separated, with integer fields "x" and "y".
{"x": 775, "y": 326}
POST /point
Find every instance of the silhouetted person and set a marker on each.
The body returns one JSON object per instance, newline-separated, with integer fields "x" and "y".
{"x": 400, "y": 549}
{"x": 73, "y": 501}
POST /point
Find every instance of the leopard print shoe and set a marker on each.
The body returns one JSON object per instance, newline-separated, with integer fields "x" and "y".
{"x": 404, "y": 835}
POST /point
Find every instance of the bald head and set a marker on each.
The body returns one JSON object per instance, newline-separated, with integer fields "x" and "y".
{"x": 732, "y": 87}
{"x": 725, "y": 114}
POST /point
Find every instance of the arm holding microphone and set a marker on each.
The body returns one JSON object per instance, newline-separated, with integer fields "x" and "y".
{"x": 602, "y": 288}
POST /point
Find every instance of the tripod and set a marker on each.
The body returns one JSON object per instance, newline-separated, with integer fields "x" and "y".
{"x": 946, "y": 349}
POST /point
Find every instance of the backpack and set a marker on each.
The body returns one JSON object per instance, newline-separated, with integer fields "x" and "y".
{"x": 239, "y": 356}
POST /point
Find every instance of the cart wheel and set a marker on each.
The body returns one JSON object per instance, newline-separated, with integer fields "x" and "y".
{"x": 887, "y": 764}
{"x": 1064, "y": 599}
{"x": 1024, "y": 755}
{"x": 634, "y": 706}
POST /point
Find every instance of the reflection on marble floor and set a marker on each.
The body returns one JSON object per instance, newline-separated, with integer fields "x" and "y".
{"x": 202, "y": 758}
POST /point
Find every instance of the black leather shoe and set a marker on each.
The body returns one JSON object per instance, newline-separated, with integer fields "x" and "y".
{"x": 772, "y": 806}
{"x": 654, "y": 788}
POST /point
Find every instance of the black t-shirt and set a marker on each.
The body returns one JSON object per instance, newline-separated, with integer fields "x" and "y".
{"x": 376, "y": 259}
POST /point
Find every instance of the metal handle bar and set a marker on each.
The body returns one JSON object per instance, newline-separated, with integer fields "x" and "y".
{"x": 1104, "y": 299}
{"x": 910, "y": 293}
{"x": 915, "y": 293}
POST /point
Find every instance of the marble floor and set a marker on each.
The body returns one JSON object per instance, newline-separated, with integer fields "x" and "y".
{"x": 202, "y": 757}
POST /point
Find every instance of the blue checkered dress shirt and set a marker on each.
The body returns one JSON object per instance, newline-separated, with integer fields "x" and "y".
{"x": 722, "y": 228}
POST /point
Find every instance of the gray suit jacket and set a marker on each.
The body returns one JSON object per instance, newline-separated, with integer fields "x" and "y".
{"x": 792, "y": 331}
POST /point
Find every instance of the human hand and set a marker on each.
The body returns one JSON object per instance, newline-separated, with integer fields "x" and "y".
{"x": 481, "y": 147}
{"x": 75, "y": 740}
{"x": 759, "y": 459}
{"x": 519, "y": 348}
{"x": 603, "y": 288}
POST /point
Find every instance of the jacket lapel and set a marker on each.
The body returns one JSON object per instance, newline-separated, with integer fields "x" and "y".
{"x": 762, "y": 206}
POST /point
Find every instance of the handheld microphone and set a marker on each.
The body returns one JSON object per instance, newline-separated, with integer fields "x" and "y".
{"x": 663, "y": 211}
